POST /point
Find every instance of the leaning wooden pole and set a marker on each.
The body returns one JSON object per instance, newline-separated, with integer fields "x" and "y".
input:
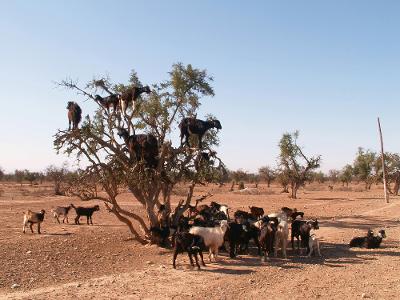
{"x": 383, "y": 164}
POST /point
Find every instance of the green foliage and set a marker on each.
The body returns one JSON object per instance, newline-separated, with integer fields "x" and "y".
{"x": 346, "y": 174}
{"x": 365, "y": 166}
{"x": 294, "y": 164}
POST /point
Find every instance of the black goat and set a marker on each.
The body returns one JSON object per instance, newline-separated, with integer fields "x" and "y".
{"x": 107, "y": 102}
{"x": 74, "y": 115}
{"x": 61, "y": 211}
{"x": 198, "y": 127}
{"x": 361, "y": 241}
{"x": 267, "y": 235}
{"x": 295, "y": 214}
{"x": 239, "y": 236}
{"x": 131, "y": 95}
{"x": 242, "y": 216}
{"x": 142, "y": 146}
{"x": 190, "y": 243}
{"x": 85, "y": 211}
{"x": 301, "y": 229}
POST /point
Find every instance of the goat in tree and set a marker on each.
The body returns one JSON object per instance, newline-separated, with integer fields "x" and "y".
{"x": 74, "y": 114}
{"x": 107, "y": 102}
{"x": 131, "y": 95}
{"x": 198, "y": 127}
{"x": 143, "y": 146}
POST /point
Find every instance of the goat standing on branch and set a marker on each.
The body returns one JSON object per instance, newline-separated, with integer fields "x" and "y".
{"x": 74, "y": 115}
{"x": 197, "y": 127}
{"x": 131, "y": 96}
{"x": 142, "y": 146}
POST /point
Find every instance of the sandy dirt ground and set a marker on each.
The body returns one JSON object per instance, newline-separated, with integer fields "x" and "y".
{"x": 101, "y": 261}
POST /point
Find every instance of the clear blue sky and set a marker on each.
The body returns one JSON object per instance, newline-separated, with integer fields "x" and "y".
{"x": 326, "y": 68}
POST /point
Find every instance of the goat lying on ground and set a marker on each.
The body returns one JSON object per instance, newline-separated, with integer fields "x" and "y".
{"x": 131, "y": 95}
{"x": 213, "y": 237}
{"x": 375, "y": 241}
{"x": 313, "y": 244}
{"x": 192, "y": 244}
{"x": 142, "y": 146}
{"x": 198, "y": 127}
{"x": 301, "y": 229}
{"x": 267, "y": 235}
{"x": 61, "y": 211}
{"x": 107, "y": 102}
{"x": 31, "y": 218}
{"x": 85, "y": 211}
{"x": 74, "y": 114}
{"x": 370, "y": 241}
{"x": 361, "y": 241}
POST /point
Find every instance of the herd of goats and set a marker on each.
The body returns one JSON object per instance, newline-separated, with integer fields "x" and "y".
{"x": 209, "y": 226}
{"x": 205, "y": 226}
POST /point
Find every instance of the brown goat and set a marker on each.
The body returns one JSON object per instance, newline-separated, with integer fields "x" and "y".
{"x": 74, "y": 115}
{"x": 256, "y": 212}
{"x": 107, "y": 102}
{"x": 31, "y": 218}
{"x": 131, "y": 95}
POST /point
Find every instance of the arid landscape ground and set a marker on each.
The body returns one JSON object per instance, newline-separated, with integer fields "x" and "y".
{"x": 101, "y": 261}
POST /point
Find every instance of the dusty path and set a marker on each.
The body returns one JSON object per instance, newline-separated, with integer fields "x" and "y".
{"x": 112, "y": 267}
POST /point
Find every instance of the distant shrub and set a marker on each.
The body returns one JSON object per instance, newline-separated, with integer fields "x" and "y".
{"x": 241, "y": 185}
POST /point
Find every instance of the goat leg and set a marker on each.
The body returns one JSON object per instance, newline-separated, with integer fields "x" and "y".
{"x": 190, "y": 258}
{"x": 38, "y": 227}
{"x": 197, "y": 260}
{"x": 201, "y": 256}
{"x": 30, "y": 226}
{"x": 174, "y": 258}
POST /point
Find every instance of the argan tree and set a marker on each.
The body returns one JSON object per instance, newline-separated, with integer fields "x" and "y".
{"x": 295, "y": 165}
{"x": 115, "y": 168}
{"x": 58, "y": 175}
{"x": 365, "y": 167}
{"x": 346, "y": 175}
{"x": 267, "y": 173}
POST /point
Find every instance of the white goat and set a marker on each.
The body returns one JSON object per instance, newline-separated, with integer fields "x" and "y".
{"x": 213, "y": 237}
{"x": 282, "y": 233}
{"x": 313, "y": 244}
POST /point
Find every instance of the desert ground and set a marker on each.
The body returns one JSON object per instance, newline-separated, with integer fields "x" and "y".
{"x": 102, "y": 262}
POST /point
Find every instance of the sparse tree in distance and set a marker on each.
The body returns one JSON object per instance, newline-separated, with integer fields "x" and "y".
{"x": 346, "y": 175}
{"x": 19, "y": 176}
{"x": 267, "y": 174}
{"x": 294, "y": 163}
{"x": 365, "y": 167}
{"x": 31, "y": 176}
{"x": 58, "y": 176}
{"x": 333, "y": 176}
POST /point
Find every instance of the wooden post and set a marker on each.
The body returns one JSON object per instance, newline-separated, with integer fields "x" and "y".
{"x": 383, "y": 164}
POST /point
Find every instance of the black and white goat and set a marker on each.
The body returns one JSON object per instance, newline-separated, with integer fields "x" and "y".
{"x": 107, "y": 102}
{"x": 301, "y": 229}
{"x": 190, "y": 243}
{"x": 197, "y": 127}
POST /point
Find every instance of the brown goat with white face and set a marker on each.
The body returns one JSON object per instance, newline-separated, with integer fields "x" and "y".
{"x": 31, "y": 218}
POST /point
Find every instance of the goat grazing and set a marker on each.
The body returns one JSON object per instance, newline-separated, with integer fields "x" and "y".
{"x": 74, "y": 114}
{"x": 61, "y": 211}
{"x": 85, "y": 211}
{"x": 198, "y": 127}
{"x": 31, "y": 218}
{"x": 107, "y": 102}
{"x": 213, "y": 237}
{"x": 131, "y": 95}
{"x": 190, "y": 243}
{"x": 142, "y": 146}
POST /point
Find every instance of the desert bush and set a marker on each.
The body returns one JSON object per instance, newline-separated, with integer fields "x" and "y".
{"x": 241, "y": 185}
